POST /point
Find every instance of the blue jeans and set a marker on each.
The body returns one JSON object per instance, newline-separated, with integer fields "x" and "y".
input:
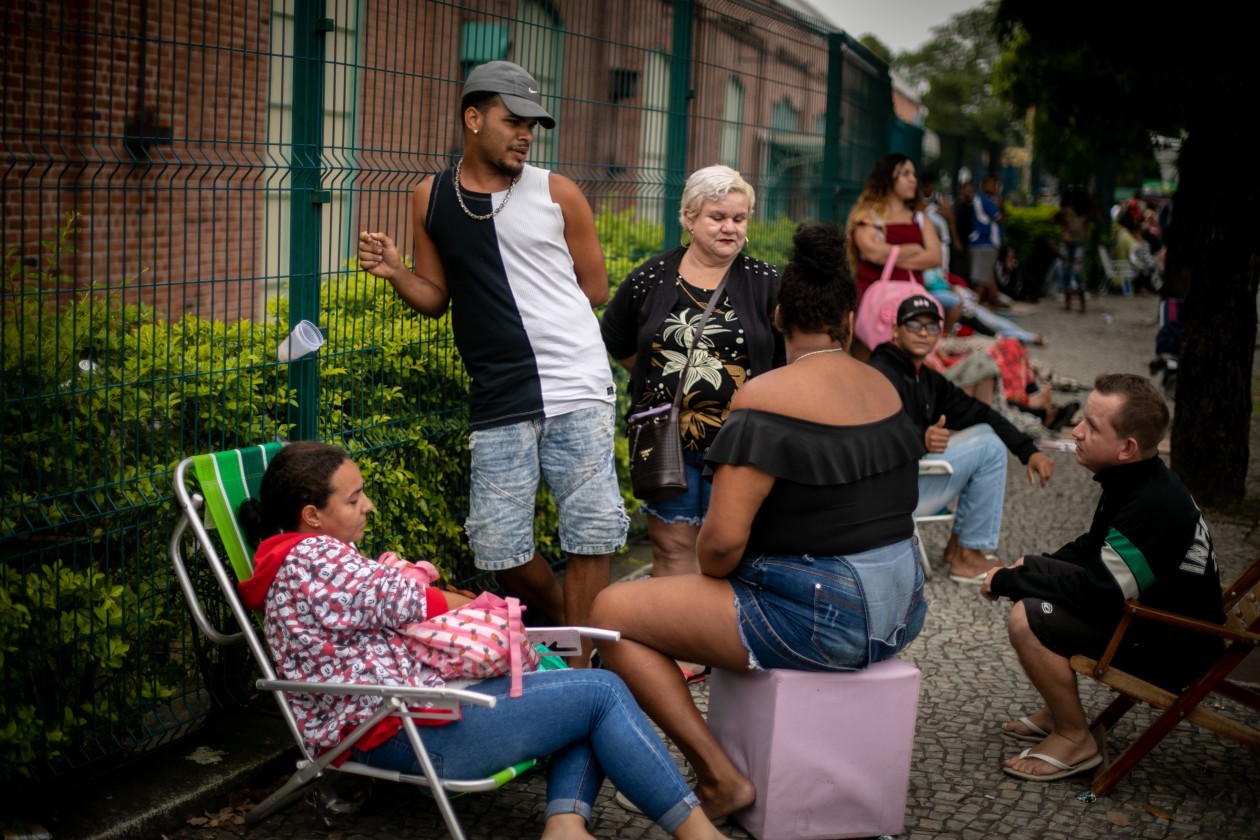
{"x": 831, "y": 613}
{"x": 999, "y": 326}
{"x": 692, "y": 504}
{"x": 978, "y": 457}
{"x": 1073, "y": 256}
{"x": 585, "y": 720}
{"x": 574, "y": 452}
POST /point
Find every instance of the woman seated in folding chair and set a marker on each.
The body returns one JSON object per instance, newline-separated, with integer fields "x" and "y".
{"x": 807, "y": 556}
{"x": 331, "y": 615}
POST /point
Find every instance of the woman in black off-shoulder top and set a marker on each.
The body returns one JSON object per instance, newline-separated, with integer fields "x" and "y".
{"x": 806, "y": 556}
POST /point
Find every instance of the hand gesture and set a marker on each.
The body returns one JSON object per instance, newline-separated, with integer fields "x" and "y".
{"x": 378, "y": 256}
{"x": 1040, "y": 466}
{"x": 986, "y": 588}
{"x": 936, "y": 437}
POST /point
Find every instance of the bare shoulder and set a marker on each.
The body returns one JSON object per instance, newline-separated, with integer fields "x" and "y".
{"x": 765, "y": 392}
{"x": 422, "y": 189}
{"x": 845, "y": 393}
{"x": 565, "y": 192}
{"x": 882, "y": 398}
{"x": 420, "y": 198}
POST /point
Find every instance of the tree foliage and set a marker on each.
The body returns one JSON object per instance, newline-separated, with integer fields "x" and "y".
{"x": 878, "y": 47}
{"x": 1105, "y": 91}
{"x": 953, "y": 74}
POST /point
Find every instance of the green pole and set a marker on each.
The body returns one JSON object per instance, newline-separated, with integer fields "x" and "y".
{"x": 829, "y": 191}
{"x": 309, "y": 26}
{"x": 680, "y": 95}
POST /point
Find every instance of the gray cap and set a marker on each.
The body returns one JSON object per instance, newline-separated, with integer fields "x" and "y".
{"x": 518, "y": 89}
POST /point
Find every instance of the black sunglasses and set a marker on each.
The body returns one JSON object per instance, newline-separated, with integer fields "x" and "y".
{"x": 923, "y": 327}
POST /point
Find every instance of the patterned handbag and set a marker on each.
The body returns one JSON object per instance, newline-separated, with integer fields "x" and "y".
{"x": 657, "y": 470}
{"x": 483, "y": 639}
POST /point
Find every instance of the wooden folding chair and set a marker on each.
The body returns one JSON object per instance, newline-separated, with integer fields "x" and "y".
{"x": 209, "y": 490}
{"x": 1240, "y": 632}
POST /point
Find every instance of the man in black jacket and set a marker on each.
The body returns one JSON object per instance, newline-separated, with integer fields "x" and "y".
{"x": 961, "y": 430}
{"x": 1147, "y": 542}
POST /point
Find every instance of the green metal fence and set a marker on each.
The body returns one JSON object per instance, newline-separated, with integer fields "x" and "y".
{"x": 185, "y": 182}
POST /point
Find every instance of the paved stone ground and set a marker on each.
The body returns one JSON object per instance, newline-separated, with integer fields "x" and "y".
{"x": 1193, "y": 785}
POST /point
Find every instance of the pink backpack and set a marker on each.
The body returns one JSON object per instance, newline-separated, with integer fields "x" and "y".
{"x": 482, "y": 639}
{"x": 877, "y": 311}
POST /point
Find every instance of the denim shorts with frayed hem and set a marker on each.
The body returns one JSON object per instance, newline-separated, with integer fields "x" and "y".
{"x": 829, "y": 613}
{"x": 574, "y": 453}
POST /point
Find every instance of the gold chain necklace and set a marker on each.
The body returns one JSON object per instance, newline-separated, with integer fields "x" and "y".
{"x": 816, "y": 352}
{"x": 459, "y": 195}
{"x": 687, "y": 287}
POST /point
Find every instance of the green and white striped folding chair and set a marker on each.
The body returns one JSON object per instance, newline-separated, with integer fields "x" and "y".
{"x": 209, "y": 490}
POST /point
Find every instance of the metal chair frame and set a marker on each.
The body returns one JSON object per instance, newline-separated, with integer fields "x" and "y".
{"x": 931, "y": 467}
{"x": 407, "y": 703}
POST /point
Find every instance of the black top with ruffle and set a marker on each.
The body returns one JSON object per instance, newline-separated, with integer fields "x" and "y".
{"x": 838, "y": 489}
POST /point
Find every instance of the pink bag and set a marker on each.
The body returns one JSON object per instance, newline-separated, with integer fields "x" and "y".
{"x": 877, "y": 312}
{"x": 482, "y": 639}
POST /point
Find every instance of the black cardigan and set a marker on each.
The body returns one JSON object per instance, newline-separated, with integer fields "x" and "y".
{"x": 645, "y": 298}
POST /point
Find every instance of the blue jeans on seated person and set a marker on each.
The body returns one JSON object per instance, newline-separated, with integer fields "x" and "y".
{"x": 586, "y": 720}
{"x": 1002, "y": 327}
{"x": 978, "y": 458}
{"x": 691, "y": 505}
{"x": 834, "y": 613}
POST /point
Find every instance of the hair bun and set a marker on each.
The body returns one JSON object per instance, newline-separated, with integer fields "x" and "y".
{"x": 818, "y": 253}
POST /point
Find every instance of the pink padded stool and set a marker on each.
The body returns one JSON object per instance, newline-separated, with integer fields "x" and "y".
{"x": 828, "y": 752}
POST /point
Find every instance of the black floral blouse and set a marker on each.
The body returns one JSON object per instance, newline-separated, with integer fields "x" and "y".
{"x": 719, "y": 366}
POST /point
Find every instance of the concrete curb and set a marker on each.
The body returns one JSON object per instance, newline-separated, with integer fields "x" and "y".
{"x": 158, "y": 794}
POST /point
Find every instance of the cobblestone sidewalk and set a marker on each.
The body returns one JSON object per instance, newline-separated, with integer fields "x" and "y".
{"x": 1195, "y": 785}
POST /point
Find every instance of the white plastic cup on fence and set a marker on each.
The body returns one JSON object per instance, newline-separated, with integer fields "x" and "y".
{"x": 304, "y": 340}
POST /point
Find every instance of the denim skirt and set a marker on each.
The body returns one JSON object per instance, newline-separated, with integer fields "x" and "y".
{"x": 837, "y": 613}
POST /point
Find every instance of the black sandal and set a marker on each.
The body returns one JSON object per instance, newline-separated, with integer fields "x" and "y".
{"x": 1064, "y": 414}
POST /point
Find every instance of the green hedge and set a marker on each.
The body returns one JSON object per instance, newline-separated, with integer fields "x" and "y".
{"x": 103, "y": 397}
{"x": 1026, "y": 225}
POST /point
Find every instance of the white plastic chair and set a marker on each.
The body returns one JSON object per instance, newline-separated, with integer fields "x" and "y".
{"x": 931, "y": 467}
{"x": 1116, "y": 271}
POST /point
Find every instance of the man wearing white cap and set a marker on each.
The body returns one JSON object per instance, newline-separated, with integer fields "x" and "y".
{"x": 514, "y": 249}
{"x": 959, "y": 429}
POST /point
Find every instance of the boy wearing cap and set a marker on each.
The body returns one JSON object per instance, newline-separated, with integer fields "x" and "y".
{"x": 959, "y": 429}
{"x": 514, "y": 249}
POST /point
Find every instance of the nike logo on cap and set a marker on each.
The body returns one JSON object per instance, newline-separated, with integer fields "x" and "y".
{"x": 531, "y": 90}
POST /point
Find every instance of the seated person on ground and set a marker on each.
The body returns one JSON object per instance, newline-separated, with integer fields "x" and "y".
{"x": 813, "y": 485}
{"x": 332, "y": 614}
{"x": 959, "y": 429}
{"x": 1148, "y": 542}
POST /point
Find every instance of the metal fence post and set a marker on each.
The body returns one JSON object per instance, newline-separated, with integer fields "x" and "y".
{"x": 829, "y": 190}
{"x": 309, "y": 26}
{"x": 680, "y": 94}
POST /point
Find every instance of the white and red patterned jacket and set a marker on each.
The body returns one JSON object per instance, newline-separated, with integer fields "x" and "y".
{"x": 330, "y": 617}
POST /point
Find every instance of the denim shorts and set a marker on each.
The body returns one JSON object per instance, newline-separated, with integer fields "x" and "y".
{"x": 829, "y": 613}
{"x": 574, "y": 453}
{"x": 692, "y": 504}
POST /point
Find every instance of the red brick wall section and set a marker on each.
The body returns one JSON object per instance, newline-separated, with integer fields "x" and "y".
{"x": 187, "y": 224}
{"x": 183, "y": 227}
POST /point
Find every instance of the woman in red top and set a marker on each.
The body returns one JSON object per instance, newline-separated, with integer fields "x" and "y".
{"x": 890, "y": 212}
